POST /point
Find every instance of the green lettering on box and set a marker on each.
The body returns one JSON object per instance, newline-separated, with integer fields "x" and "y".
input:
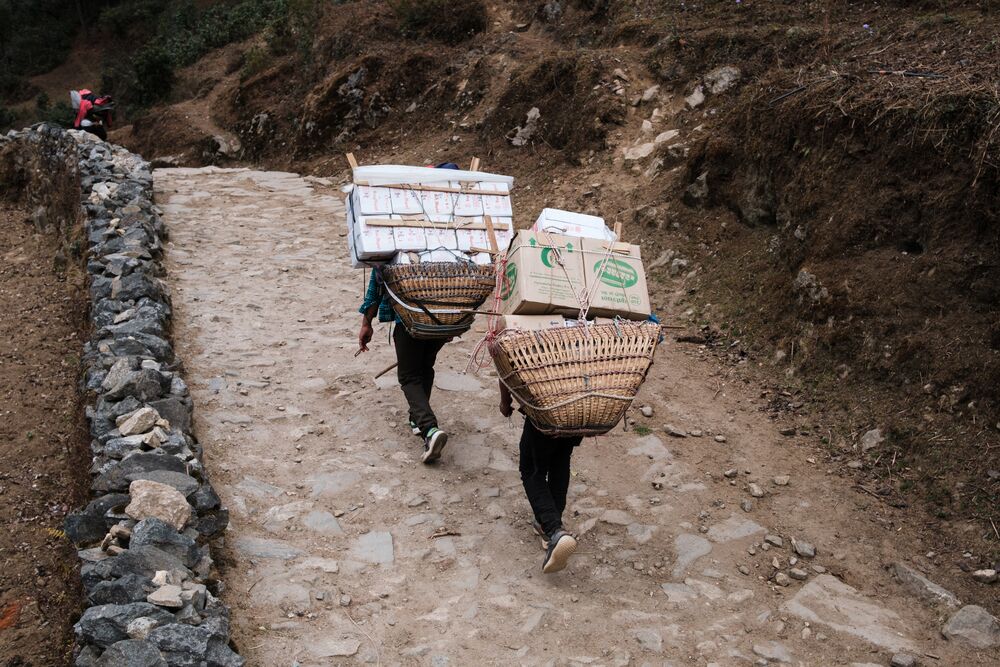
{"x": 511, "y": 281}
{"x": 616, "y": 273}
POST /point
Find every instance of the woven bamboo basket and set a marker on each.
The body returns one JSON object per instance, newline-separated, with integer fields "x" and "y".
{"x": 576, "y": 380}
{"x": 430, "y": 297}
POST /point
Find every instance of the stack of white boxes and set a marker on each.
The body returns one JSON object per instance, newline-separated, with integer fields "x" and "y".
{"x": 447, "y": 220}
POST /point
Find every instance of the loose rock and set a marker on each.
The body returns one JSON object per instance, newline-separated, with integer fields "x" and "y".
{"x": 985, "y": 576}
{"x": 152, "y": 499}
{"x": 674, "y": 431}
{"x": 974, "y": 626}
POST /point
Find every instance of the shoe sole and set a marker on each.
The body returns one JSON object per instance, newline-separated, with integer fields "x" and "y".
{"x": 433, "y": 453}
{"x": 560, "y": 554}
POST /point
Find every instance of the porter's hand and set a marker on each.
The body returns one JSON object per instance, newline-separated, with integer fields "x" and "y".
{"x": 365, "y": 336}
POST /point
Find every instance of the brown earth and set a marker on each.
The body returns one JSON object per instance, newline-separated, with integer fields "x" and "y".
{"x": 41, "y": 444}
{"x": 845, "y": 251}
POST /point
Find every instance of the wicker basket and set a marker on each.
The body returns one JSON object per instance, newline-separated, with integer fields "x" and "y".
{"x": 430, "y": 297}
{"x": 576, "y": 380}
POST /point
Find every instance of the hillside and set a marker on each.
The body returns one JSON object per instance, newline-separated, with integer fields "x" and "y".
{"x": 813, "y": 183}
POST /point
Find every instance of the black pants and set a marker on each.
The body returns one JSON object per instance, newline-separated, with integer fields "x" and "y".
{"x": 545, "y": 474}
{"x": 416, "y": 375}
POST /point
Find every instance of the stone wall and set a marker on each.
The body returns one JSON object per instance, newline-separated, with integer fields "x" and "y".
{"x": 148, "y": 578}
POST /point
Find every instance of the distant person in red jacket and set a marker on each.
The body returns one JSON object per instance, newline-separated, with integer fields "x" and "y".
{"x": 93, "y": 112}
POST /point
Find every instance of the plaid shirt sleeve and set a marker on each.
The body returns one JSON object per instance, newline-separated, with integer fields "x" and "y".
{"x": 376, "y": 294}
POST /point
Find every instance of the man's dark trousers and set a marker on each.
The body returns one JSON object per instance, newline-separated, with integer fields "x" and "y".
{"x": 415, "y": 371}
{"x": 545, "y": 474}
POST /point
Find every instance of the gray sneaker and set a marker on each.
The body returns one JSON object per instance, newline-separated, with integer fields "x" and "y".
{"x": 561, "y": 547}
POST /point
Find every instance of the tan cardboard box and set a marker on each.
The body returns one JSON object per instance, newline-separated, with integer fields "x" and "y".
{"x": 621, "y": 288}
{"x": 533, "y": 322}
{"x": 544, "y": 275}
{"x": 540, "y": 322}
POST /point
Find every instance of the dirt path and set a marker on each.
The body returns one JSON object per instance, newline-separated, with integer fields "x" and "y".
{"x": 334, "y": 558}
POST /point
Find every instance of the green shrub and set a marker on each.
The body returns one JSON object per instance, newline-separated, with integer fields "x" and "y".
{"x": 296, "y": 30}
{"x": 450, "y": 21}
{"x": 7, "y": 118}
{"x": 61, "y": 113}
{"x": 255, "y": 60}
{"x": 125, "y": 18}
{"x": 183, "y": 34}
{"x": 153, "y": 70}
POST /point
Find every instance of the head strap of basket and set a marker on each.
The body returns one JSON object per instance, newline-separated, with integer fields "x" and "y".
{"x": 434, "y": 299}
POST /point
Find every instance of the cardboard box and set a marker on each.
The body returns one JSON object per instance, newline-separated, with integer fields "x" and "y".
{"x": 482, "y": 258}
{"x": 467, "y": 203}
{"x": 351, "y": 252}
{"x": 373, "y": 243}
{"x": 436, "y": 203}
{"x": 504, "y": 230}
{"x": 440, "y": 256}
{"x": 405, "y": 258}
{"x": 367, "y": 243}
{"x": 544, "y": 275}
{"x": 409, "y": 238}
{"x": 541, "y": 322}
{"x": 497, "y": 205}
{"x": 441, "y": 238}
{"x": 534, "y": 322}
{"x": 616, "y": 283}
{"x": 368, "y": 200}
{"x": 568, "y": 223}
{"x": 472, "y": 238}
{"x": 405, "y": 201}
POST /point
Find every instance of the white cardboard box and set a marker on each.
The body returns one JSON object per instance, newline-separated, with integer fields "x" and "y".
{"x": 352, "y": 253}
{"x": 437, "y": 203}
{"x": 467, "y": 204}
{"x": 568, "y": 223}
{"x": 409, "y": 238}
{"x": 372, "y": 243}
{"x": 497, "y": 205}
{"x": 504, "y": 230}
{"x": 405, "y": 201}
{"x": 472, "y": 238}
{"x": 440, "y": 256}
{"x": 440, "y": 237}
{"x": 370, "y": 200}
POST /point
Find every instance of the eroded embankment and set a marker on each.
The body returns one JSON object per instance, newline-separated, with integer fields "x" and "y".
{"x": 42, "y": 314}
{"x": 147, "y": 573}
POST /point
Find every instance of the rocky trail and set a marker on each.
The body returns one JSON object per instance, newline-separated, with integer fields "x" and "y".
{"x": 713, "y": 541}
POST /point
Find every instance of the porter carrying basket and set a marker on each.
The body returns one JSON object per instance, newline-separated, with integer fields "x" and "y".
{"x": 576, "y": 380}
{"x": 433, "y": 299}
